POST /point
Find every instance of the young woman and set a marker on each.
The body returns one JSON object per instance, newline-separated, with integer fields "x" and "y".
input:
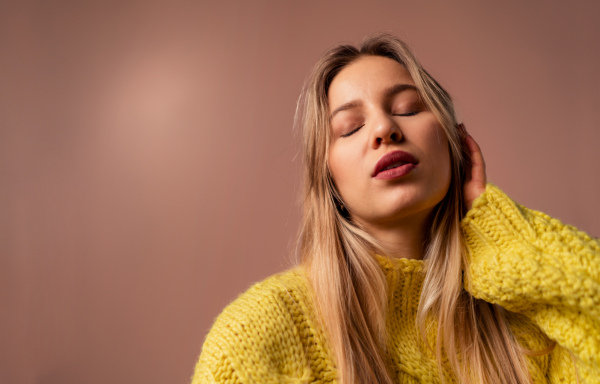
{"x": 414, "y": 269}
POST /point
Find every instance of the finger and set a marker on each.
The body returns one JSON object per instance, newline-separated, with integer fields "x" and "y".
{"x": 477, "y": 163}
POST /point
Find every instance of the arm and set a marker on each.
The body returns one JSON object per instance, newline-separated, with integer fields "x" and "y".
{"x": 202, "y": 373}
{"x": 532, "y": 264}
{"x": 529, "y": 263}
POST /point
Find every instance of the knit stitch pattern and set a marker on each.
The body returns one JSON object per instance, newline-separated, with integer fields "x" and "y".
{"x": 545, "y": 273}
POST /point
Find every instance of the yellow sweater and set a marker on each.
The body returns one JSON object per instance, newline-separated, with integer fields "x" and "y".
{"x": 522, "y": 260}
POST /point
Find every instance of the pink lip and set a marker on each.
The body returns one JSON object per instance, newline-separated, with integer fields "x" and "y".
{"x": 391, "y": 158}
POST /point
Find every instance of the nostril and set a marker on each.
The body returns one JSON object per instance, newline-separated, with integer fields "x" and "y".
{"x": 378, "y": 140}
{"x": 394, "y": 136}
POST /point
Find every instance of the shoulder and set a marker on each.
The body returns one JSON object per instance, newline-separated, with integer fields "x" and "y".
{"x": 269, "y": 333}
{"x": 274, "y": 293}
{"x": 266, "y": 304}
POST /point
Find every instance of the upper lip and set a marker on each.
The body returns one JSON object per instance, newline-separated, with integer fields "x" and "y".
{"x": 391, "y": 158}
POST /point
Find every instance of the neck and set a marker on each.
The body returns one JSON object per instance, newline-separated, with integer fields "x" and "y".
{"x": 402, "y": 238}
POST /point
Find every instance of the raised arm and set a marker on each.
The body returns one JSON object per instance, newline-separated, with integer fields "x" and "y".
{"x": 530, "y": 263}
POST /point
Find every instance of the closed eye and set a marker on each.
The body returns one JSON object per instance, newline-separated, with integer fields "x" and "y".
{"x": 352, "y": 131}
{"x": 411, "y": 113}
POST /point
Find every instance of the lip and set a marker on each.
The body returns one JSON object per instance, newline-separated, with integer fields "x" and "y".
{"x": 391, "y": 158}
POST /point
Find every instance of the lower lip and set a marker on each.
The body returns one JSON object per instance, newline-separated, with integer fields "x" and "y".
{"x": 395, "y": 173}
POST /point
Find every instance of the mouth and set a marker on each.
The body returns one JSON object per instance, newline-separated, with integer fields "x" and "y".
{"x": 394, "y": 164}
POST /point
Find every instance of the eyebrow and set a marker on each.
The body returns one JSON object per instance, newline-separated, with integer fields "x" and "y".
{"x": 395, "y": 89}
{"x": 391, "y": 91}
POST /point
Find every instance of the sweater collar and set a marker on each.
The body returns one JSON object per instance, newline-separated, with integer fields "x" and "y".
{"x": 389, "y": 264}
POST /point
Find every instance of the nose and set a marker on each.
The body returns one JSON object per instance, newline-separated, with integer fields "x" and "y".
{"x": 385, "y": 131}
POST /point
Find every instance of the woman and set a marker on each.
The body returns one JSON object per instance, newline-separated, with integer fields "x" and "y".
{"x": 399, "y": 283}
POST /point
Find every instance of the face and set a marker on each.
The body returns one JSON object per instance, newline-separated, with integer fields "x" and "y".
{"x": 388, "y": 154}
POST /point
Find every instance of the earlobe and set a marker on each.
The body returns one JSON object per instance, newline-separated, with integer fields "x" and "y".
{"x": 342, "y": 210}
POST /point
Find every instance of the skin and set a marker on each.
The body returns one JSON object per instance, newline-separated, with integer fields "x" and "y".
{"x": 476, "y": 177}
{"x": 373, "y": 122}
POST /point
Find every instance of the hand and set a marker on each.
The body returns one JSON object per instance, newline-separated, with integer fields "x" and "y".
{"x": 475, "y": 176}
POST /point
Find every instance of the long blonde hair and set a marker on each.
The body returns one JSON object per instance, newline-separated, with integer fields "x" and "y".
{"x": 349, "y": 286}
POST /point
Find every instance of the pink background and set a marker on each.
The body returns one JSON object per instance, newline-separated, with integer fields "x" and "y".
{"x": 147, "y": 156}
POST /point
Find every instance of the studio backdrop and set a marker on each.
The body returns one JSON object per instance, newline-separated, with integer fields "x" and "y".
{"x": 150, "y": 169}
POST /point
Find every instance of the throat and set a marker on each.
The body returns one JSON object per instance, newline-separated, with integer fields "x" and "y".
{"x": 402, "y": 238}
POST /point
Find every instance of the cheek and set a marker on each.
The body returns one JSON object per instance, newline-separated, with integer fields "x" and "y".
{"x": 435, "y": 145}
{"x": 447, "y": 175}
{"x": 444, "y": 168}
{"x": 343, "y": 165}
{"x": 336, "y": 167}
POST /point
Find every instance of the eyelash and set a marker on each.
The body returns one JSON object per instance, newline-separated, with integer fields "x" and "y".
{"x": 408, "y": 114}
{"x": 352, "y": 131}
{"x": 412, "y": 113}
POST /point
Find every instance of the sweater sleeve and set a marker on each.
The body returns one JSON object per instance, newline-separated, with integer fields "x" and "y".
{"x": 532, "y": 264}
{"x": 265, "y": 336}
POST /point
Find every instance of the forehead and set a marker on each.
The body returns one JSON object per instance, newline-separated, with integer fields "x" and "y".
{"x": 367, "y": 77}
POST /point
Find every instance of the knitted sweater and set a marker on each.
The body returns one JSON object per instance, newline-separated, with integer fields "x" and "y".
{"x": 523, "y": 260}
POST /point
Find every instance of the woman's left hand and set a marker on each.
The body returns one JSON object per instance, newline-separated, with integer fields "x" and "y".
{"x": 475, "y": 176}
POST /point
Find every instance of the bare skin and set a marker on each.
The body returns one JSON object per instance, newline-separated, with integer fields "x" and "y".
{"x": 475, "y": 184}
{"x": 377, "y": 111}
{"x": 407, "y": 242}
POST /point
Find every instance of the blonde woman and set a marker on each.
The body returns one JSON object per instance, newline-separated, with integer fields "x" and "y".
{"x": 413, "y": 268}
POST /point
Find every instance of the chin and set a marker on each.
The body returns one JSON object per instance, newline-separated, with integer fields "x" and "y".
{"x": 409, "y": 209}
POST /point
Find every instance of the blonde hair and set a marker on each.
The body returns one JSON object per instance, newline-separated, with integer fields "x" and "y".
{"x": 349, "y": 286}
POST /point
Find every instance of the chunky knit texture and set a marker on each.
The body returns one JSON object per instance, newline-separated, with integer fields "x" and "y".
{"x": 546, "y": 273}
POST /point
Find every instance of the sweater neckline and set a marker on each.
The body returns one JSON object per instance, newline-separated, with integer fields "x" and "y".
{"x": 405, "y": 279}
{"x": 389, "y": 264}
